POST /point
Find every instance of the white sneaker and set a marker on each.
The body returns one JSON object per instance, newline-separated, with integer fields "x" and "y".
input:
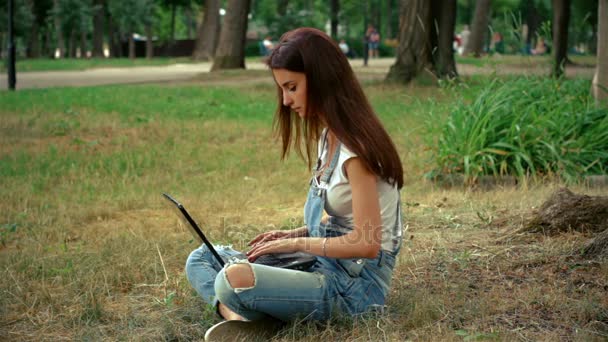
{"x": 234, "y": 330}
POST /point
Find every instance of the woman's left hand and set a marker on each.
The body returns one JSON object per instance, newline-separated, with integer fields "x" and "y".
{"x": 275, "y": 246}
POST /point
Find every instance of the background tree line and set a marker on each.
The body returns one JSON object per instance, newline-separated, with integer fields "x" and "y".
{"x": 69, "y": 26}
{"x": 426, "y": 30}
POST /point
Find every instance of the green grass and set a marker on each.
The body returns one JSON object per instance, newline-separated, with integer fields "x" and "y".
{"x": 73, "y": 64}
{"x": 89, "y": 250}
{"x": 525, "y": 126}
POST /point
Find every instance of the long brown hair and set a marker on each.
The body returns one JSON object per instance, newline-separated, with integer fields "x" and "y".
{"x": 334, "y": 98}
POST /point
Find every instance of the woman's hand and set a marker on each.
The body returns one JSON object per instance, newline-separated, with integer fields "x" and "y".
{"x": 276, "y": 246}
{"x": 269, "y": 236}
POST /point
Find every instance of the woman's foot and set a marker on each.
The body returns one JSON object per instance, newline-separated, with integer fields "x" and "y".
{"x": 229, "y": 314}
{"x": 261, "y": 330}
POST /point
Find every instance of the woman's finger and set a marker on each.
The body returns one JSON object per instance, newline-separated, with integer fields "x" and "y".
{"x": 258, "y": 238}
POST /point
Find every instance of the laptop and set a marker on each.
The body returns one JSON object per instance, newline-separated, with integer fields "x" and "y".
{"x": 295, "y": 261}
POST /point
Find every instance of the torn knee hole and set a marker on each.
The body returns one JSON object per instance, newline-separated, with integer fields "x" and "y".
{"x": 240, "y": 276}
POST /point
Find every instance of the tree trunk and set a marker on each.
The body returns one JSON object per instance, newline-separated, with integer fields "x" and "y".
{"x": 59, "y": 31}
{"x": 115, "y": 38}
{"x": 413, "y": 52}
{"x": 444, "y": 14}
{"x": 3, "y": 46}
{"x": 532, "y": 20}
{"x": 208, "y": 32}
{"x": 561, "y": 19}
{"x": 98, "y": 16}
{"x": 47, "y": 43}
{"x": 389, "y": 19}
{"x": 33, "y": 49}
{"x": 478, "y": 28}
{"x": 173, "y": 8}
{"x": 33, "y": 44}
{"x": 231, "y": 49}
{"x": 335, "y": 11}
{"x": 131, "y": 46}
{"x": 83, "y": 44}
{"x": 149, "y": 44}
{"x": 600, "y": 80}
{"x": 72, "y": 45}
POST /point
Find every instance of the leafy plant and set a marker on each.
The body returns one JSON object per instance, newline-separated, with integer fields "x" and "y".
{"x": 526, "y": 126}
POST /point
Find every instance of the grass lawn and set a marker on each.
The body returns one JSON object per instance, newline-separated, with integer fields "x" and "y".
{"x": 521, "y": 60}
{"x": 72, "y": 64}
{"x": 75, "y": 64}
{"x": 90, "y": 251}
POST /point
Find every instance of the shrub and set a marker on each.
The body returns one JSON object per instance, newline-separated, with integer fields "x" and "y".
{"x": 525, "y": 126}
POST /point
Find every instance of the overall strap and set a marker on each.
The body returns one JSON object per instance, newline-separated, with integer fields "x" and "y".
{"x": 320, "y": 151}
{"x": 334, "y": 161}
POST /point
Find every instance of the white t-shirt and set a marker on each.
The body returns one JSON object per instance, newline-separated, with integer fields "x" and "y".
{"x": 268, "y": 44}
{"x": 339, "y": 200}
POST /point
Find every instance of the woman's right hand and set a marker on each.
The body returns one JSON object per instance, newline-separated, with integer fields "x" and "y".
{"x": 270, "y": 236}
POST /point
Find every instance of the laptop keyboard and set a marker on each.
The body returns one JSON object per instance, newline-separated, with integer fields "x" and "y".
{"x": 267, "y": 259}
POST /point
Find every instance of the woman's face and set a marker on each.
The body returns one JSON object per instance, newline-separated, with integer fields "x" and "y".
{"x": 293, "y": 88}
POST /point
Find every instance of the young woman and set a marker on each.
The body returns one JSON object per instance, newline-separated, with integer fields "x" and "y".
{"x": 355, "y": 181}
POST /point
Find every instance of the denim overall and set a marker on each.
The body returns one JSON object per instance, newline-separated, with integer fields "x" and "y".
{"x": 330, "y": 287}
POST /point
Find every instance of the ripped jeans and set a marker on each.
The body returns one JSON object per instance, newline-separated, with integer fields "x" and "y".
{"x": 330, "y": 287}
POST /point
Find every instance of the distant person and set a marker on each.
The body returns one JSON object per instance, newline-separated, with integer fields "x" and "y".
{"x": 464, "y": 39}
{"x": 346, "y": 49}
{"x": 374, "y": 42}
{"x": 498, "y": 44}
{"x": 366, "y": 41}
{"x": 541, "y": 47}
{"x": 268, "y": 45}
{"x": 456, "y": 43}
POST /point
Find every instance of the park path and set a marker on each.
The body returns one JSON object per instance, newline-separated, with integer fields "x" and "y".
{"x": 198, "y": 72}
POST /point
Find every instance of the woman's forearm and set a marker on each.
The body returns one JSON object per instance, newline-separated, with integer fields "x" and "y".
{"x": 299, "y": 232}
{"x": 345, "y": 246}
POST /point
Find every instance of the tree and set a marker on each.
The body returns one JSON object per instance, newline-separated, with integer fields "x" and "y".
{"x": 149, "y": 19}
{"x": 58, "y": 28}
{"x": 389, "y": 19}
{"x": 478, "y": 28}
{"x": 130, "y": 16}
{"x": 444, "y": 14}
{"x": 173, "y": 5}
{"x": 561, "y": 19}
{"x": 426, "y": 31}
{"x": 208, "y": 32}
{"x": 334, "y": 14}
{"x": 98, "y": 23}
{"x": 39, "y": 11}
{"x": 600, "y": 80}
{"x": 75, "y": 18}
{"x": 230, "y": 52}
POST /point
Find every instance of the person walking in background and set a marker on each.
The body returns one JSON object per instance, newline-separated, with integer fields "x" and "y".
{"x": 464, "y": 39}
{"x": 497, "y": 45}
{"x": 541, "y": 47}
{"x": 366, "y": 40}
{"x": 346, "y": 49}
{"x": 374, "y": 42}
{"x": 267, "y": 45}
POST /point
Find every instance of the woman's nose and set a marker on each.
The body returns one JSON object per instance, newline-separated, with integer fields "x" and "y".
{"x": 287, "y": 101}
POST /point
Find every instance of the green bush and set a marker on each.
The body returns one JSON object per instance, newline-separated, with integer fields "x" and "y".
{"x": 526, "y": 126}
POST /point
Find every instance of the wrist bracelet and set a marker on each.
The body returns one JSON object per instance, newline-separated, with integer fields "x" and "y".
{"x": 324, "y": 252}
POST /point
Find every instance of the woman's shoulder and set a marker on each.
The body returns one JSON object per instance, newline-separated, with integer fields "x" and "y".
{"x": 346, "y": 153}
